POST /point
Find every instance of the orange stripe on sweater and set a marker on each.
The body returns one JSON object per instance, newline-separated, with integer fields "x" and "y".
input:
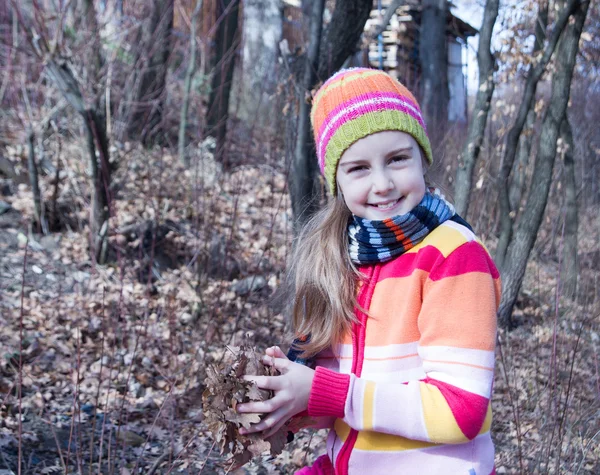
{"x": 460, "y": 311}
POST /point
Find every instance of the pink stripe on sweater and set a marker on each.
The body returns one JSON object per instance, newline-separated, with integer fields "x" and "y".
{"x": 468, "y": 409}
{"x": 470, "y": 257}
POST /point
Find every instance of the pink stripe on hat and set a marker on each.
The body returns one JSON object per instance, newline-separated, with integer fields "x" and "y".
{"x": 356, "y": 108}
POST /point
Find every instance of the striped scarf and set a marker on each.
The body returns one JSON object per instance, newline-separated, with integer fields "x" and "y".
{"x": 373, "y": 241}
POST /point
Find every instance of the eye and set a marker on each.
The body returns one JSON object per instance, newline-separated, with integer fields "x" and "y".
{"x": 399, "y": 158}
{"x": 357, "y": 168}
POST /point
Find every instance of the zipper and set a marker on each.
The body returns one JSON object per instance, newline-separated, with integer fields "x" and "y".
{"x": 358, "y": 353}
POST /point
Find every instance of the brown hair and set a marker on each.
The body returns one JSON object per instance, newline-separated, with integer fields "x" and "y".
{"x": 323, "y": 278}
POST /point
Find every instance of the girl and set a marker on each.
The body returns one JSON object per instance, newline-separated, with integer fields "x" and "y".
{"x": 396, "y": 294}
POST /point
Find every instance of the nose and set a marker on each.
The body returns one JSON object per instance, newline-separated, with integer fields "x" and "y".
{"x": 382, "y": 182}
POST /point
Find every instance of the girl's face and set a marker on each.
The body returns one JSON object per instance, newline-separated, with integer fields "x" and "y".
{"x": 381, "y": 175}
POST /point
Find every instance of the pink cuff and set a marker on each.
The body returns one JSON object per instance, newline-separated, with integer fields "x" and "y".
{"x": 328, "y": 393}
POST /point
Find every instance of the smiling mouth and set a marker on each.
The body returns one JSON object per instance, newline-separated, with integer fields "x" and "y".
{"x": 386, "y": 206}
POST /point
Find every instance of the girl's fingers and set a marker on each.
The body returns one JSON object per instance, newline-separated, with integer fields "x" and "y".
{"x": 265, "y": 382}
{"x": 275, "y": 352}
{"x": 281, "y": 364}
{"x": 271, "y": 423}
{"x": 261, "y": 407}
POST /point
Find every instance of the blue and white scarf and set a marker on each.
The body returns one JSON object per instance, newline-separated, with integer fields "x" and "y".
{"x": 373, "y": 241}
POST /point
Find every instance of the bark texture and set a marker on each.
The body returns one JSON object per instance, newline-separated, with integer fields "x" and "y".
{"x": 512, "y": 141}
{"x": 570, "y": 259}
{"x": 433, "y": 53}
{"x": 520, "y": 247}
{"x": 227, "y": 39}
{"x": 97, "y": 141}
{"x": 148, "y": 101}
{"x": 341, "y": 35}
{"x": 255, "y": 79}
{"x": 476, "y": 132}
{"x": 187, "y": 86}
{"x": 519, "y": 171}
{"x": 38, "y": 204}
{"x": 304, "y": 192}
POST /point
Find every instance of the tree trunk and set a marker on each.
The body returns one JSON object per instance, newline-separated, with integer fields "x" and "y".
{"x": 475, "y": 135}
{"x": 535, "y": 74}
{"x": 570, "y": 260}
{"x": 91, "y": 24}
{"x": 519, "y": 171}
{"x": 227, "y": 39}
{"x": 97, "y": 140}
{"x": 520, "y": 247}
{"x": 255, "y": 83}
{"x": 189, "y": 75}
{"x": 149, "y": 90}
{"x": 342, "y": 35}
{"x": 433, "y": 54}
{"x": 38, "y": 204}
{"x": 304, "y": 192}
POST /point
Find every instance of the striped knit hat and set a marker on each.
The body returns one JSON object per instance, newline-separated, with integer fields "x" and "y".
{"x": 357, "y": 102}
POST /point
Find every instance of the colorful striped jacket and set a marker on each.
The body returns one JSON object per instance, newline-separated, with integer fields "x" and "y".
{"x": 410, "y": 386}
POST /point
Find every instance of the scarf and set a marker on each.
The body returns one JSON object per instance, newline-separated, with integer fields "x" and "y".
{"x": 373, "y": 241}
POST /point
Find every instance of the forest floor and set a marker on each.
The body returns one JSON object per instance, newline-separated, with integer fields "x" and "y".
{"x": 114, "y": 357}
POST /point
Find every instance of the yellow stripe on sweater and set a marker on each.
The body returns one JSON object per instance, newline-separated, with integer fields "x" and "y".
{"x": 445, "y": 239}
{"x": 378, "y": 441}
{"x": 439, "y": 420}
{"x": 368, "y": 404}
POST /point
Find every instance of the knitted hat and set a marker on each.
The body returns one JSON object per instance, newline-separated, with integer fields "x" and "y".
{"x": 357, "y": 102}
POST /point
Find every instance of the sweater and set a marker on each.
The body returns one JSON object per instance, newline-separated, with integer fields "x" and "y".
{"x": 409, "y": 386}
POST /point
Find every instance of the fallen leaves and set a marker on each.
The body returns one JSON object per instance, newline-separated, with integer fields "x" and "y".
{"x": 225, "y": 389}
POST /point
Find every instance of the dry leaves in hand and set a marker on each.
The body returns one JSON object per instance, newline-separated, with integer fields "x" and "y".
{"x": 225, "y": 389}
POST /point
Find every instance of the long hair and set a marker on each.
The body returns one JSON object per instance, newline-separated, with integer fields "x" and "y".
{"x": 323, "y": 279}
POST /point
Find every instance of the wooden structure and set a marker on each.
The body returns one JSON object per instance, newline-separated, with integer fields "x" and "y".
{"x": 397, "y": 51}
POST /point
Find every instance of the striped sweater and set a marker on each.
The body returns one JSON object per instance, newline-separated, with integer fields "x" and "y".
{"x": 410, "y": 385}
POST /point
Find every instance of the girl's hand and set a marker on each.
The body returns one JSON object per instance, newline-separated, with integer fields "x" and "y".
{"x": 292, "y": 390}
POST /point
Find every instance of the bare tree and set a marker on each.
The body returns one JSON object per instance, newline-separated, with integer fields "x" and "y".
{"x": 433, "y": 54}
{"x": 470, "y": 155}
{"x": 187, "y": 86}
{"x": 570, "y": 259}
{"x": 303, "y": 187}
{"x": 147, "y": 100}
{"x": 518, "y": 182}
{"x": 227, "y": 40}
{"x": 520, "y": 246}
{"x": 255, "y": 77}
{"x": 512, "y": 141}
{"x": 38, "y": 204}
{"x": 60, "y": 72}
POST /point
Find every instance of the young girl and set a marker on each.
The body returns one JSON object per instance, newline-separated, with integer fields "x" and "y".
{"x": 397, "y": 296}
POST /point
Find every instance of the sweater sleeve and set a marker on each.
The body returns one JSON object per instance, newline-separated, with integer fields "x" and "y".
{"x": 457, "y": 327}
